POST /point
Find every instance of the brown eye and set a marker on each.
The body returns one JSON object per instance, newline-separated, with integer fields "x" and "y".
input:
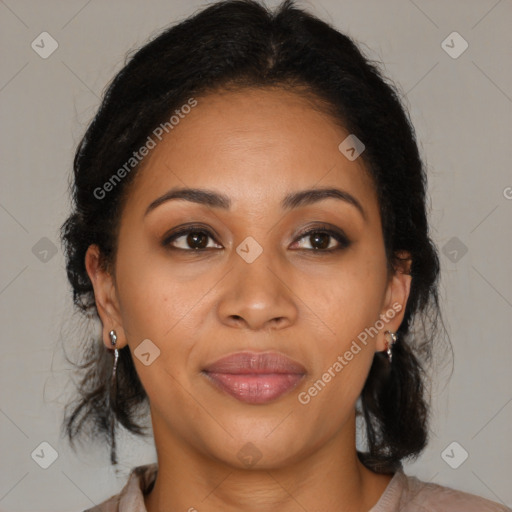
{"x": 320, "y": 240}
{"x": 197, "y": 239}
{"x": 324, "y": 240}
{"x": 190, "y": 239}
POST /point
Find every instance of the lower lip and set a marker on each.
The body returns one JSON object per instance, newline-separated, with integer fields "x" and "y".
{"x": 255, "y": 388}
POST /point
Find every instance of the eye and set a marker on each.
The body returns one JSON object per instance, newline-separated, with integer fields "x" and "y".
{"x": 194, "y": 239}
{"x": 321, "y": 238}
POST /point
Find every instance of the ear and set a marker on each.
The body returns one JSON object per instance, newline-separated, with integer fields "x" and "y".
{"x": 105, "y": 296}
{"x": 397, "y": 293}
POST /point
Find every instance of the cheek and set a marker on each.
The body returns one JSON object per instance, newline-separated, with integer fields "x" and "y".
{"x": 348, "y": 304}
{"x": 342, "y": 360}
{"x": 348, "y": 299}
{"x": 331, "y": 394}
{"x": 154, "y": 298}
{"x": 161, "y": 303}
{"x": 155, "y": 306}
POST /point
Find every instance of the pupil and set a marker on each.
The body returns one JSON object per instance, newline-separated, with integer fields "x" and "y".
{"x": 316, "y": 237}
{"x": 194, "y": 240}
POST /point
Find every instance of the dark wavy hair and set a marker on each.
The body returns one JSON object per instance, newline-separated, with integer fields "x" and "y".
{"x": 227, "y": 46}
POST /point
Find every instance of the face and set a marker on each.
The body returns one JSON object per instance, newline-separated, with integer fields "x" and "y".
{"x": 261, "y": 316}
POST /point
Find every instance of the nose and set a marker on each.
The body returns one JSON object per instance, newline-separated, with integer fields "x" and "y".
{"x": 257, "y": 296}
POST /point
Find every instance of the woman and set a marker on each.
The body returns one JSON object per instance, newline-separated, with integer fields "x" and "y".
{"x": 250, "y": 227}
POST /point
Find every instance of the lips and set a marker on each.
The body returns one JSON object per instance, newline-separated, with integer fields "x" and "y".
{"x": 255, "y": 378}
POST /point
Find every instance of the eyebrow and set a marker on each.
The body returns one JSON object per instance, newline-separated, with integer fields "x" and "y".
{"x": 291, "y": 201}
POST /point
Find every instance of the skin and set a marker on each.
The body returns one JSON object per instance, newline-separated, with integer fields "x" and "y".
{"x": 255, "y": 146}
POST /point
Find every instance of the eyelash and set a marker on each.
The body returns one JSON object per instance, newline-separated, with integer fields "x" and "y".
{"x": 342, "y": 240}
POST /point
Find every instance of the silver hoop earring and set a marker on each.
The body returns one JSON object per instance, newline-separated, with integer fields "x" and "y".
{"x": 113, "y": 341}
{"x": 389, "y": 344}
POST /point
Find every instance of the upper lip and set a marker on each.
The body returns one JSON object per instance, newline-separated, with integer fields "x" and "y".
{"x": 255, "y": 363}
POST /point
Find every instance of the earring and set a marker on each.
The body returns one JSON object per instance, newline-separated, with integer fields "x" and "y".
{"x": 113, "y": 341}
{"x": 112, "y": 400}
{"x": 389, "y": 345}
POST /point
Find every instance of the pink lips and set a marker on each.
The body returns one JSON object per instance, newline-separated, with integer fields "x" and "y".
{"x": 255, "y": 378}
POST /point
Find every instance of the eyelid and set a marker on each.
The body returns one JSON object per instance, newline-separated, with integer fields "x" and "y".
{"x": 322, "y": 227}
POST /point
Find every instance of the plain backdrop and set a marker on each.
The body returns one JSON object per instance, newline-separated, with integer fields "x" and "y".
{"x": 460, "y": 104}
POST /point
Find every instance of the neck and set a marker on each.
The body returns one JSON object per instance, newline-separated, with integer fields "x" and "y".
{"x": 331, "y": 478}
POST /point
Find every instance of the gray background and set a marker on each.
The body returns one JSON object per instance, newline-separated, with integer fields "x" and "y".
{"x": 461, "y": 108}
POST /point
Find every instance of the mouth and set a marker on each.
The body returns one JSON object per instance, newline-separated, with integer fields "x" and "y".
{"x": 255, "y": 378}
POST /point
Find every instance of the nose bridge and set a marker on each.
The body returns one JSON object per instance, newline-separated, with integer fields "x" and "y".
{"x": 257, "y": 295}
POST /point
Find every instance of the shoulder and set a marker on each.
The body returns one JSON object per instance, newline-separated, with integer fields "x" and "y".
{"x": 131, "y": 497}
{"x": 419, "y": 496}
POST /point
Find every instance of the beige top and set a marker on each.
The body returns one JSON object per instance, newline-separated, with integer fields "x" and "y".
{"x": 403, "y": 493}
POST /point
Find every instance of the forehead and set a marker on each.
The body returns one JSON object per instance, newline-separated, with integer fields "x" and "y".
{"x": 254, "y": 145}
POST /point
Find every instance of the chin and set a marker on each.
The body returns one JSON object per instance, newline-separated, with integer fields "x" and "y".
{"x": 264, "y": 447}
